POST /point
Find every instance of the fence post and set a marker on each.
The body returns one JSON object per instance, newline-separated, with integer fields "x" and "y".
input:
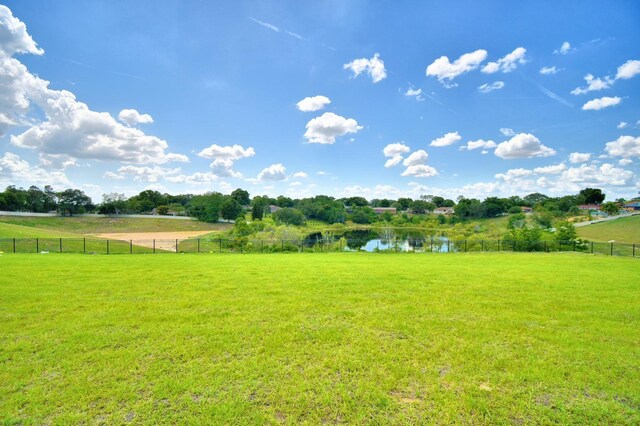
{"x": 240, "y": 247}
{"x": 84, "y": 245}
{"x": 634, "y": 251}
{"x": 465, "y": 246}
{"x": 14, "y": 245}
{"x": 176, "y": 245}
{"x": 448, "y": 246}
{"x": 130, "y": 246}
{"x": 154, "y": 246}
{"x": 107, "y": 246}
{"x": 591, "y": 247}
{"x": 37, "y": 245}
{"x": 198, "y": 245}
{"x": 261, "y": 246}
{"x": 545, "y": 246}
{"x": 60, "y": 245}
{"x": 282, "y": 244}
{"x": 482, "y": 245}
{"x": 220, "y": 245}
{"x": 498, "y": 246}
{"x": 611, "y": 249}
{"x": 574, "y": 245}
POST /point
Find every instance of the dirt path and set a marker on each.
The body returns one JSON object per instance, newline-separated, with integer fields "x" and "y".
{"x": 163, "y": 240}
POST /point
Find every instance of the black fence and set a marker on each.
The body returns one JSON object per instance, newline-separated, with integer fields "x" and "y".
{"x": 248, "y": 245}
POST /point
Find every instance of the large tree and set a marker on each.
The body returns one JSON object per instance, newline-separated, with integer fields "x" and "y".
{"x": 230, "y": 208}
{"x": 73, "y": 201}
{"x": 591, "y": 196}
{"x": 241, "y": 196}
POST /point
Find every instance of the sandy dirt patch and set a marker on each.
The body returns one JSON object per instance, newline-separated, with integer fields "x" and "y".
{"x": 163, "y": 240}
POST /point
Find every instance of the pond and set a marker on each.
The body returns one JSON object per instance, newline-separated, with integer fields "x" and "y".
{"x": 400, "y": 240}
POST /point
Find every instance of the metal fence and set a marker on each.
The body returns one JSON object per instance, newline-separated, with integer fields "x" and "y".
{"x": 248, "y": 245}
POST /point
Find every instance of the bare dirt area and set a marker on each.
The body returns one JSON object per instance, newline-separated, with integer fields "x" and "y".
{"x": 163, "y": 240}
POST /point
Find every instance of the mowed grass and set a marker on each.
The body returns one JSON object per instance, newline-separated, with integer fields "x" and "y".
{"x": 320, "y": 338}
{"x": 10, "y": 230}
{"x": 624, "y": 230}
{"x": 47, "y": 226}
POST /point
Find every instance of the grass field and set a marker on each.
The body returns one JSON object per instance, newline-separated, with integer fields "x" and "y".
{"x": 323, "y": 338}
{"x": 625, "y": 230}
{"x": 47, "y": 227}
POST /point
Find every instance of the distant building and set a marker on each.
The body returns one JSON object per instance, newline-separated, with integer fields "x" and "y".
{"x": 590, "y": 207}
{"x": 273, "y": 209}
{"x": 632, "y": 206}
{"x": 381, "y": 210}
{"x": 444, "y": 210}
{"x": 526, "y": 210}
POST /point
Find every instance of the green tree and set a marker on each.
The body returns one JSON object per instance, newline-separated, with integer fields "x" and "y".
{"x": 517, "y": 221}
{"x": 230, "y": 208}
{"x": 241, "y": 196}
{"x": 565, "y": 231}
{"x": 73, "y": 201}
{"x": 289, "y": 216}
{"x": 610, "y": 208}
{"x": 363, "y": 215}
{"x": 258, "y": 207}
{"x": 206, "y": 207}
{"x": 591, "y": 196}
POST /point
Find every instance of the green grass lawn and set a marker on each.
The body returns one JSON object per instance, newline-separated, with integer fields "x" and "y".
{"x": 11, "y": 230}
{"x": 53, "y": 226}
{"x": 320, "y": 338}
{"x": 624, "y": 230}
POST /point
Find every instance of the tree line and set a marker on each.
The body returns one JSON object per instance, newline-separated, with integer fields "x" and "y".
{"x": 212, "y": 206}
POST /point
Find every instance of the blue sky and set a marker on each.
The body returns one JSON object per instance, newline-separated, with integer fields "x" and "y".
{"x": 377, "y": 99}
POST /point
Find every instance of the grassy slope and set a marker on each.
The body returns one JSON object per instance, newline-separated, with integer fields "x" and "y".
{"x": 625, "y": 230}
{"x": 95, "y": 225}
{"x": 355, "y": 338}
{"x": 10, "y": 230}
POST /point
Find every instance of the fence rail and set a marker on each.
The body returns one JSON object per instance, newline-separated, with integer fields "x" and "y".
{"x": 248, "y": 245}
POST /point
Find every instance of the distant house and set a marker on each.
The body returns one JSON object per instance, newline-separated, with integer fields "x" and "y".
{"x": 632, "y": 206}
{"x": 589, "y": 207}
{"x": 381, "y": 210}
{"x": 526, "y": 210}
{"x": 273, "y": 209}
{"x": 444, "y": 210}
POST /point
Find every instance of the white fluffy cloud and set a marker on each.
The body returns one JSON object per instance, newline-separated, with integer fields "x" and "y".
{"x": 14, "y": 170}
{"x": 579, "y": 157}
{"x": 625, "y": 161}
{"x": 601, "y": 103}
{"x": 420, "y": 170}
{"x": 69, "y": 128}
{"x": 197, "y": 178}
{"x": 313, "y": 103}
{"x": 628, "y": 70}
{"x": 523, "y": 145}
{"x": 549, "y": 70}
{"x": 593, "y": 84}
{"x": 446, "y": 71}
{"x": 480, "y": 143}
{"x": 223, "y": 167}
{"x": 374, "y": 67}
{"x": 507, "y": 131}
{"x": 624, "y": 146}
{"x": 394, "y": 149}
{"x": 416, "y": 158}
{"x": 273, "y": 173}
{"x": 513, "y": 174}
{"x": 508, "y": 63}
{"x": 591, "y": 174}
{"x": 486, "y": 88}
{"x": 622, "y": 125}
{"x": 393, "y": 161}
{"x": 231, "y": 152}
{"x": 142, "y": 173}
{"x": 300, "y": 175}
{"x": 131, "y": 117}
{"x": 551, "y": 170}
{"x": 564, "y": 49}
{"x": 326, "y": 128}
{"x": 416, "y": 93}
{"x": 446, "y": 140}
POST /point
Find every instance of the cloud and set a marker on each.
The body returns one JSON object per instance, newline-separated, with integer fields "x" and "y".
{"x": 480, "y": 143}
{"x": 234, "y": 152}
{"x": 326, "y": 128}
{"x": 197, "y": 178}
{"x": 394, "y": 149}
{"x": 416, "y": 158}
{"x": 508, "y": 63}
{"x": 66, "y": 128}
{"x": 523, "y": 145}
{"x": 590, "y": 174}
{"x": 564, "y": 49}
{"x": 273, "y": 173}
{"x": 420, "y": 170}
{"x": 14, "y": 37}
{"x": 579, "y": 157}
{"x": 374, "y": 67}
{"x": 393, "y": 161}
{"x": 142, "y": 174}
{"x": 486, "y": 88}
{"x": 313, "y": 103}
{"x": 446, "y": 71}
{"x": 628, "y": 70}
{"x": 301, "y": 175}
{"x": 446, "y": 140}
{"x": 416, "y": 93}
{"x": 549, "y": 70}
{"x": 553, "y": 96}
{"x": 131, "y": 117}
{"x": 223, "y": 167}
{"x": 593, "y": 84}
{"x": 625, "y": 161}
{"x": 624, "y": 146}
{"x": 551, "y": 170}
{"x": 14, "y": 170}
{"x": 266, "y": 25}
{"x": 513, "y": 174}
{"x": 598, "y": 104}
{"x": 622, "y": 125}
